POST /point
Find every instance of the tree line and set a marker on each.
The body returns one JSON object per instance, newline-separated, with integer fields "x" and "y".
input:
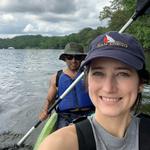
{"x": 117, "y": 15}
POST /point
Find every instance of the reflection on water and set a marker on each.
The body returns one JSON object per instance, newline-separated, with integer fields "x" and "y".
{"x": 8, "y": 141}
{"x": 146, "y": 94}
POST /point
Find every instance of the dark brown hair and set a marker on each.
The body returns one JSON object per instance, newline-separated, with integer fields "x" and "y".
{"x": 144, "y": 77}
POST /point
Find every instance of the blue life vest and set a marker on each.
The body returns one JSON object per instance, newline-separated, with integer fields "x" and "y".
{"x": 76, "y": 98}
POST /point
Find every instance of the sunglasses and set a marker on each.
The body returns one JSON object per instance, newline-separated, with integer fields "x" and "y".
{"x": 76, "y": 57}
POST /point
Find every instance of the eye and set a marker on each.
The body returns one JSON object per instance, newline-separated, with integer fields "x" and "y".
{"x": 98, "y": 73}
{"x": 123, "y": 74}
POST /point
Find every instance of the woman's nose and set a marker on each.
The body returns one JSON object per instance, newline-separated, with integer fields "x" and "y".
{"x": 110, "y": 84}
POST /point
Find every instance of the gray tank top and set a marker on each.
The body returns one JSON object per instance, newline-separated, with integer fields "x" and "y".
{"x": 106, "y": 141}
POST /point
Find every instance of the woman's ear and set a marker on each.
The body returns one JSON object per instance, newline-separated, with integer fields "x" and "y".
{"x": 141, "y": 87}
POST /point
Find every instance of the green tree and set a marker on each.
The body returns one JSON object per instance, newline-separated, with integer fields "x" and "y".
{"x": 119, "y": 13}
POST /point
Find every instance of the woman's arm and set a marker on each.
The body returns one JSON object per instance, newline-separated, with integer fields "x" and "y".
{"x": 63, "y": 139}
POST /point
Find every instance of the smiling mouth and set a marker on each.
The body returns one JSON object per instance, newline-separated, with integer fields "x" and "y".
{"x": 110, "y": 99}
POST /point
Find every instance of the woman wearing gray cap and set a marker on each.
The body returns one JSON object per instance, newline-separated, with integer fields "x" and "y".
{"x": 115, "y": 74}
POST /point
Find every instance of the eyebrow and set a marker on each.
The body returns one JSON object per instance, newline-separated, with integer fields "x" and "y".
{"x": 94, "y": 68}
{"x": 117, "y": 68}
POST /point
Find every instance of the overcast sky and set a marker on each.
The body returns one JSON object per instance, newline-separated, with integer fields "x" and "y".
{"x": 49, "y": 17}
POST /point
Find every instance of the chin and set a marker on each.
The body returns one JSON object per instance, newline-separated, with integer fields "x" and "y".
{"x": 109, "y": 112}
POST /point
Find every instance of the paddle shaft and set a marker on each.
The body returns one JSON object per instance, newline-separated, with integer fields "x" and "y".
{"x": 136, "y": 15}
{"x": 52, "y": 107}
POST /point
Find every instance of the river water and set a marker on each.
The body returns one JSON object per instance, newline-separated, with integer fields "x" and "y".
{"x": 24, "y": 81}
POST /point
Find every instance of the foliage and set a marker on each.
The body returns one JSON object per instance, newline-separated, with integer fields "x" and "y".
{"x": 118, "y": 13}
{"x": 55, "y": 42}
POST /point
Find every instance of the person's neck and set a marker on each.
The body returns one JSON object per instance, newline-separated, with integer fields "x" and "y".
{"x": 116, "y": 126}
{"x": 71, "y": 73}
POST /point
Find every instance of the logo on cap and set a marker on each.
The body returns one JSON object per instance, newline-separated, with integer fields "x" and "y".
{"x": 109, "y": 41}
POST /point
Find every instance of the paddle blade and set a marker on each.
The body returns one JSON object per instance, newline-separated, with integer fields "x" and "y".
{"x": 143, "y": 7}
{"x": 47, "y": 129}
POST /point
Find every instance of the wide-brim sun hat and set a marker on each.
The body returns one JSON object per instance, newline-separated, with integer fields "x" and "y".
{"x": 119, "y": 46}
{"x": 73, "y": 48}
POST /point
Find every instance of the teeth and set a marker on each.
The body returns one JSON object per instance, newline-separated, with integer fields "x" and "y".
{"x": 110, "y": 99}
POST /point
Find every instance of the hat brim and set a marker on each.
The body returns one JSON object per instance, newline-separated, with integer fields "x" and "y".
{"x": 118, "y": 54}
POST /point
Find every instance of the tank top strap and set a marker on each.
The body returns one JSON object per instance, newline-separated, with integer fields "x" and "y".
{"x": 84, "y": 131}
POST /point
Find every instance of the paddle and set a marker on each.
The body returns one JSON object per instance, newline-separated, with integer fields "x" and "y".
{"x": 51, "y": 108}
{"x": 143, "y": 6}
{"x": 140, "y": 10}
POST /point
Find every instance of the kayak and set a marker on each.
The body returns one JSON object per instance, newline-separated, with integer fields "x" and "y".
{"x": 48, "y": 128}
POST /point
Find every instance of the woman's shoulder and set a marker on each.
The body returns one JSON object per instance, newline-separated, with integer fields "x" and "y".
{"x": 64, "y": 139}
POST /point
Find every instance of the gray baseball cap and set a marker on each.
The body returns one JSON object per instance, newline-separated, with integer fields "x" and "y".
{"x": 72, "y": 48}
{"x": 122, "y": 47}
